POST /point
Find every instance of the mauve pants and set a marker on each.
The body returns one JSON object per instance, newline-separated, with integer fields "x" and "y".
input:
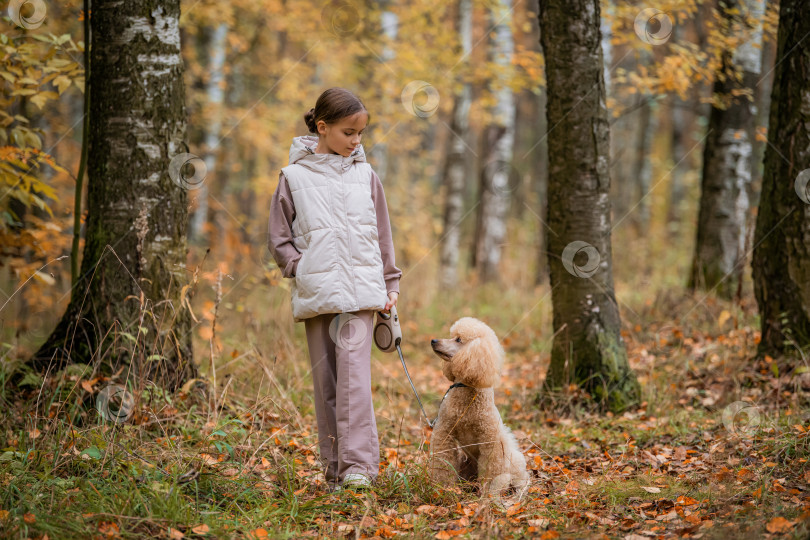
{"x": 341, "y": 375}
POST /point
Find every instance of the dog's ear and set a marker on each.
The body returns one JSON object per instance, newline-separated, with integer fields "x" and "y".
{"x": 478, "y": 363}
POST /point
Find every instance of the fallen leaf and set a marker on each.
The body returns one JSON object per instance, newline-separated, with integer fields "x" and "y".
{"x": 209, "y": 459}
{"x": 539, "y": 523}
{"x": 109, "y": 529}
{"x": 367, "y": 522}
{"x": 650, "y": 489}
{"x": 385, "y": 531}
{"x": 200, "y": 529}
{"x": 745, "y": 474}
{"x": 514, "y": 509}
{"x": 779, "y": 525}
{"x": 668, "y": 516}
{"x": 425, "y": 509}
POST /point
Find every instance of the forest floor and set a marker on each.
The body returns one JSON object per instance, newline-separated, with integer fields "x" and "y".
{"x": 718, "y": 449}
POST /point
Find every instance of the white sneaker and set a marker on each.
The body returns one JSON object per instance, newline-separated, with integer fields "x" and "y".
{"x": 356, "y": 480}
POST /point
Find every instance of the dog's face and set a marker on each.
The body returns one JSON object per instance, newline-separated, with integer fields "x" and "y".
{"x": 472, "y": 354}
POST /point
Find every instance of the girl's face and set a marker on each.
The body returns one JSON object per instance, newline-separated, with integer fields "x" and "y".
{"x": 343, "y": 136}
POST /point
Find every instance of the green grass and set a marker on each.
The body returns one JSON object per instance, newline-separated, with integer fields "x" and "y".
{"x": 243, "y": 457}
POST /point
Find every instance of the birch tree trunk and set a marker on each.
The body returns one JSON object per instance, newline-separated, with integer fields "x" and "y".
{"x": 455, "y": 170}
{"x": 727, "y": 161}
{"x": 498, "y": 140}
{"x": 215, "y": 97}
{"x": 762, "y": 96}
{"x": 781, "y": 261}
{"x": 133, "y": 267}
{"x": 588, "y": 349}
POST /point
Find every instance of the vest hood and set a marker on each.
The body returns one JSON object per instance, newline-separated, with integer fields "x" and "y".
{"x": 302, "y": 152}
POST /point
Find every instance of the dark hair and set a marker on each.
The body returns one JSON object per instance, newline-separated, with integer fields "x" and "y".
{"x": 332, "y": 105}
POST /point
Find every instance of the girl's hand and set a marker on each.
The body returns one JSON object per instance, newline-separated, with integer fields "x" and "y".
{"x": 392, "y": 301}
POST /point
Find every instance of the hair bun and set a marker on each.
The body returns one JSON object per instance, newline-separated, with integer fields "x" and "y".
{"x": 309, "y": 118}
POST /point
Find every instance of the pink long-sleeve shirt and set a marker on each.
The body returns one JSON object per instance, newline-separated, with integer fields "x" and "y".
{"x": 280, "y": 238}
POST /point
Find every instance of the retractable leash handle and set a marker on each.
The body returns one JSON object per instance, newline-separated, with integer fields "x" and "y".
{"x": 387, "y": 338}
{"x": 387, "y": 332}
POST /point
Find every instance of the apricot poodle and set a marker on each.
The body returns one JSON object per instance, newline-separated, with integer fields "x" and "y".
{"x": 469, "y": 438}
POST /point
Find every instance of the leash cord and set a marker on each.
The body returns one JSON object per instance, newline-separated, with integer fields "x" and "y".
{"x": 427, "y": 419}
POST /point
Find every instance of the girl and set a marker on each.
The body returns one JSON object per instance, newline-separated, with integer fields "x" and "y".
{"x": 329, "y": 232}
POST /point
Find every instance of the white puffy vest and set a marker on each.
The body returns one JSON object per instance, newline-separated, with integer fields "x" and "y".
{"x": 335, "y": 229}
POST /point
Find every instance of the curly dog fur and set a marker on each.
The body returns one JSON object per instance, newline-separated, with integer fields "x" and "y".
{"x": 469, "y": 438}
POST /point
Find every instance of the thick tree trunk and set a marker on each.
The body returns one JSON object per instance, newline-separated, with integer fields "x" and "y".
{"x": 727, "y": 161}
{"x": 781, "y": 261}
{"x": 133, "y": 266}
{"x": 587, "y": 349}
{"x": 497, "y": 180}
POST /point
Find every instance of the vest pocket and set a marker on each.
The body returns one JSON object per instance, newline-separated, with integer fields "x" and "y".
{"x": 320, "y": 250}
{"x": 366, "y": 246}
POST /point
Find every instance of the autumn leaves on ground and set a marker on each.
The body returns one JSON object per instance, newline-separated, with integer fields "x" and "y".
{"x": 619, "y": 117}
{"x": 718, "y": 449}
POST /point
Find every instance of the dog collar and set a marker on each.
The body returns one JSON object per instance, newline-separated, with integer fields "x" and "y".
{"x": 454, "y": 385}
